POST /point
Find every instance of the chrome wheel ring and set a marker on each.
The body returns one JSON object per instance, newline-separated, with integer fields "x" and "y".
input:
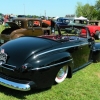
{"x": 62, "y": 74}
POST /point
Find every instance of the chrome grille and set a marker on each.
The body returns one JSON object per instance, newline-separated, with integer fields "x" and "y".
{"x": 7, "y": 66}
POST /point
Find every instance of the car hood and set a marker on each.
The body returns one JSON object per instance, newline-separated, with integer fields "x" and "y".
{"x": 18, "y": 50}
{"x": 13, "y": 25}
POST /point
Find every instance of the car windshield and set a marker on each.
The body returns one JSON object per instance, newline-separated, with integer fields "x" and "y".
{"x": 81, "y": 21}
{"x": 66, "y": 21}
{"x": 71, "y": 33}
{"x": 76, "y": 31}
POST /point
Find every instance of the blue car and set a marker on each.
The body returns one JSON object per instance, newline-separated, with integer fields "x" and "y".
{"x": 63, "y": 22}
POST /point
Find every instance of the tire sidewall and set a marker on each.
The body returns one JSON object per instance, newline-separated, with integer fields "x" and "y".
{"x": 97, "y": 35}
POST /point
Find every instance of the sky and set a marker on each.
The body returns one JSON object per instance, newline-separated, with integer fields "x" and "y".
{"x": 52, "y": 8}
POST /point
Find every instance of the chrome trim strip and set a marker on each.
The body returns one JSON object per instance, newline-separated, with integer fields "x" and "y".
{"x": 7, "y": 68}
{"x": 10, "y": 65}
{"x": 14, "y": 85}
{"x": 52, "y": 65}
{"x": 96, "y": 49}
{"x": 4, "y": 66}
{"x": 58, "y": 49}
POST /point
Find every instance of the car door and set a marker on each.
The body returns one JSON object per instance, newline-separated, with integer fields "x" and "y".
{"x": 80, "y": 51}
{"x": 81, "y": 47}
{"x": 34, "y": 28}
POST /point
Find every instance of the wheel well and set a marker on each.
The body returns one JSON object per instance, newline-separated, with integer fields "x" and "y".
{"x": 69, "y": 72}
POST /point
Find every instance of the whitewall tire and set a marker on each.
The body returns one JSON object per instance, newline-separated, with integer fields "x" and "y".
{"x": 62, "y": 74}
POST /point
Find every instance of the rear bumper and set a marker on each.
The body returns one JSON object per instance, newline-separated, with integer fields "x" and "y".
{"x": 16, "y": 85}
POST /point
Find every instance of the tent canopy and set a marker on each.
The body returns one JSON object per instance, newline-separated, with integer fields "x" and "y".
{"x": 80, "y": 18}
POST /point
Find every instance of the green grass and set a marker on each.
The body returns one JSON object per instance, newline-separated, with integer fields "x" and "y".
{"x": 2, "y": 27}
{"x": 84, "y": 85}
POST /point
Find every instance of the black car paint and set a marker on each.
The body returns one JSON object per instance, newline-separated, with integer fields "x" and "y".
{"x": 44, "y": 58}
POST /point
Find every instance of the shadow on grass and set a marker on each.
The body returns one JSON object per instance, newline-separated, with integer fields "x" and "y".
{"x": 20, "y": 94}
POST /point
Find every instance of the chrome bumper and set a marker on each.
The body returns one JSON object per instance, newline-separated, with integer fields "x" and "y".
{"x": 15, "y": 85}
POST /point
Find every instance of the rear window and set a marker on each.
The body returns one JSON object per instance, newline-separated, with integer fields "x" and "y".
{"x": 80, "y": 32}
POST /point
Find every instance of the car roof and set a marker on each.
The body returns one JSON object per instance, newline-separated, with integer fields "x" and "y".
{"x": 63, "y": 18}
{"x": 94, "y": 20}
{"x": 27, "y": 19}
{"x": 76, "y": 24}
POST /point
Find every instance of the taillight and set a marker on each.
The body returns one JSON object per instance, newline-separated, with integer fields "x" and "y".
{"x": 26, "y": 67}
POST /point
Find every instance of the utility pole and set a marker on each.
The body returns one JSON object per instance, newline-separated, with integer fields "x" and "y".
{"x": 24, "y": 9}
{"x": 45, "y": 14}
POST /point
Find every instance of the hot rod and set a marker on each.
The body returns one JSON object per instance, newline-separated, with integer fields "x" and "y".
{"x": 30, "y": 62}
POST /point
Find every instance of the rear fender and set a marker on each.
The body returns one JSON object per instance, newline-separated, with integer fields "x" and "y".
{"x": 48, "y": 66}
{"x": 55, "y": 61}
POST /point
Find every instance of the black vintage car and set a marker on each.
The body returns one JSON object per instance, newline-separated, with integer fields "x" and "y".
{"x": 39, "y": 62}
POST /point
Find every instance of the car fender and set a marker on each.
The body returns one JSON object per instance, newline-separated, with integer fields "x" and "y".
{"x": 16, "y": 36}
{"x": 16, "y": 33}
{"x": 55, "y": 61}
{"x": 96, "y": 52}
{"x": 50, "y": 65}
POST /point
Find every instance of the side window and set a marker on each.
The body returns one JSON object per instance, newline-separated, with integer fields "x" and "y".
{"x": 59, "y": 20}
{"x": 36, "y": 23}
{"x": 66, "y": 21}
{"x": 30, "y": 24}
{"x": 76, "y": 32}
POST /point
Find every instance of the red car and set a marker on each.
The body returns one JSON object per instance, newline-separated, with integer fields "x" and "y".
{"x": 94, "y": 31}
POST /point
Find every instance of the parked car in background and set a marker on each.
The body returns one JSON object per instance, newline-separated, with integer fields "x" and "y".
{"x": 81, "y": 20}
{"x": 94, "y": 30}
{"x": 63, "y": 22}
{"x": 94, "y": 22}
{"x": 21, "y": 16}
{"x": 1, "y": 18}
{"x": 1, "y": 21}
{"x": 39, "y": 62}
{"x": 24, "y": 26}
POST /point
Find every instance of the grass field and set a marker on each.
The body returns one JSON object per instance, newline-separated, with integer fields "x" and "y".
{"x": 84, "y": 85}
{"x": 2, "y": 27}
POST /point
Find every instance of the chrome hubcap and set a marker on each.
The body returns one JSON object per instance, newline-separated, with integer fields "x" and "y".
{"x": 62, "y": 72}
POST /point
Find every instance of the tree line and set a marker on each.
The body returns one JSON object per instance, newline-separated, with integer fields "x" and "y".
{"x": 92, "y": 12}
